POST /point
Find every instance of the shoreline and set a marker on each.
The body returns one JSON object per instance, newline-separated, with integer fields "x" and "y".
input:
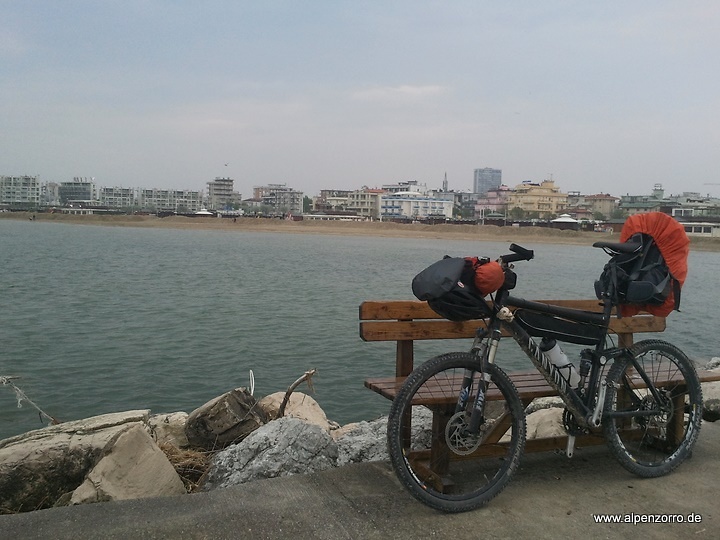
{"x": 492, "y": 233}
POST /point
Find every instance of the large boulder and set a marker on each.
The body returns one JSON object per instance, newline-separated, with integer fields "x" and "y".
{"x": 224, "y": 420}
{"x": 132, "y": 467}
{"x": 42, "y": 467}
{"x": 300, "y": 406}
{"x": 545, "y": 423}
{"x": 362, "y": 442}
{"x": 282, "y": 447}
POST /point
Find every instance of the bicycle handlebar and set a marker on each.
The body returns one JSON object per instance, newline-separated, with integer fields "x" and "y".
{"x": 519, "y": 253}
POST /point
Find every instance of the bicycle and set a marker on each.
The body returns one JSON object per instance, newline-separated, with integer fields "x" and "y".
{"x": 646, "y": 399}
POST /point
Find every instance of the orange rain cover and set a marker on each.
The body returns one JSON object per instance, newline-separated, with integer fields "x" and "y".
{"x": 674, "y": 246}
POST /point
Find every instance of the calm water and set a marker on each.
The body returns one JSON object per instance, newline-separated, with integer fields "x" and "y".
{"x": 101, "y": 319}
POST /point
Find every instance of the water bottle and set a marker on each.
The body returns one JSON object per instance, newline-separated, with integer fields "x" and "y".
{"x": 550, "y": 347}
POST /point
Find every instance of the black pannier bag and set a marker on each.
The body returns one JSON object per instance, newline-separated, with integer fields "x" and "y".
{"x": 552, "y": 326}
{"x": 640, "y": 277}
{"x": 448, "y": 287}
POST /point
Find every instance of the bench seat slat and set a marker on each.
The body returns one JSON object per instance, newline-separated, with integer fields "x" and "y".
{"x": 530, "y": 385}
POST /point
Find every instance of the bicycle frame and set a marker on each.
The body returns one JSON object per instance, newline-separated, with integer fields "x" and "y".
{"x": 581, "y": 402}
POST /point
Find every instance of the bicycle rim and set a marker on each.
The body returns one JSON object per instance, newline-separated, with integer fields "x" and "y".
{"x": 432, "y": 454}
{"x": 661, "y": 436}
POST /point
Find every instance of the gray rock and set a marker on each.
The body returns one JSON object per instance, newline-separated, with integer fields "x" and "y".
{"x": 713, "y": 363}
{"x": 711, "y": 410}
{"x": 711, "y": 401}
{"x": 361, "y": 442}
{"x": 539, "y": 404}
{"x": 279, "y": 448}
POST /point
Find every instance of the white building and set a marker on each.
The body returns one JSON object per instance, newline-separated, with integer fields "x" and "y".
{"x": 413, "y": 205}
{"x": 20, "y": 190}
{"x": 118, "y": 197}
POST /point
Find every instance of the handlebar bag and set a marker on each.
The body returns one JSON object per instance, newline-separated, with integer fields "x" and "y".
{"x": 448, "y": 286}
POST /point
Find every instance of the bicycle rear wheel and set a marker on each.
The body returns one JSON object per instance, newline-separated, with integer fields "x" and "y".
{"x": 432, "y": 454}
{"x": 661, "y": 435}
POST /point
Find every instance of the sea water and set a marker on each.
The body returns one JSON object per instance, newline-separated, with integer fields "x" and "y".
{"x": 97, "y": 319}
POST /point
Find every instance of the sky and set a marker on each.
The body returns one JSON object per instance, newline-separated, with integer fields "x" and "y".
{"x": 601, "y": 97}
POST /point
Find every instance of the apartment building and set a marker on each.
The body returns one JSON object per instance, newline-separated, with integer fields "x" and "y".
{"x": 118, "y": 197}
{"x": 20, "y": 191}
{"x": 544, "y": 198}
{"x": 365, "y": 202}
{"x": 221, "y": 194}
{"x": 281, "y": 198}
{"x": 413, "y": 205}
{"x": 495, "y": 201}
{"x": 170, "y": 200}
{"x": 331, "y": 200}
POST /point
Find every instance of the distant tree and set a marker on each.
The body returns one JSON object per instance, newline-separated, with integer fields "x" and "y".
{"x": 517, "y": 213}
{"x": 599, "y": 216}
{"x": 618, "y": 213}
{"x": 307, "y": 204}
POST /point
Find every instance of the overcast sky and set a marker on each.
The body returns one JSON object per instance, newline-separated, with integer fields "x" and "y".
{"x": 610, "y": 96}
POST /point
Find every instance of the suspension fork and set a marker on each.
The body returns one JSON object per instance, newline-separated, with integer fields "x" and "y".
{"x": 484, "y": 349}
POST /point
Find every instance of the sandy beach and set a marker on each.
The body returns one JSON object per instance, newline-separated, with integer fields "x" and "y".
{"x": 381, "y": 229}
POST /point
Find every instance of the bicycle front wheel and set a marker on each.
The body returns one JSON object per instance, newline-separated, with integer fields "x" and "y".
{"x": 649, "y": 433}
{"x": 431, "y": 449}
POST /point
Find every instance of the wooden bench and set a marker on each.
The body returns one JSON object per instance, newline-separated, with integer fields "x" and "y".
{"x": 405, "y": 322}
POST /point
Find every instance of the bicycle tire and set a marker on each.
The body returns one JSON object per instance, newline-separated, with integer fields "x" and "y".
{"x": 651, "y": 446}
{"x": 437, "y": 469}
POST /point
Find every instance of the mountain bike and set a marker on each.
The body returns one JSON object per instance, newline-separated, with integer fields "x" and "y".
{"x": 456, "y": 428}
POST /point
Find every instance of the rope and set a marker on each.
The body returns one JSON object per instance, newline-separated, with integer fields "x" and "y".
{"x": 21, "y": 396}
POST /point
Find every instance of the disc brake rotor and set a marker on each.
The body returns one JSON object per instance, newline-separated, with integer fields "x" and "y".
{"x": 457, "y": 437}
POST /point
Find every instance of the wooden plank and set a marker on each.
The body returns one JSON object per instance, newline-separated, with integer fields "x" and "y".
{"x": 396, "y": 309}
{"x": 444, "y": 329}
{"x": 377, "y": 310}
{"x": 418, "y": 330}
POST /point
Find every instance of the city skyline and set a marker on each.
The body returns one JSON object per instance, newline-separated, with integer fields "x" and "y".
{"x": 612, "y": 97}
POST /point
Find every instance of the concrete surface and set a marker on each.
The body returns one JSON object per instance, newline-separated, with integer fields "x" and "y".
{"x": 549, "y": 497}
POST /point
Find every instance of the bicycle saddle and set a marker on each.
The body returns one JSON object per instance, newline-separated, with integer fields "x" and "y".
{"x": 619, "y": 247}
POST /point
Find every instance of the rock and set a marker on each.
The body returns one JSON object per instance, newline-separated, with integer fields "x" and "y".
{"x": 539, "y": 404}
{"x": 279, "y": 448}
{"x": 225, "y": 420}
{"x": 545, "y": 423}
{"x": 711, "y": 410}
{"x": 300, "y": 406}
{"x": 132, "y": 467}
{"x": 39, "y": 467}
{"x": 169, "y": 428}
{"x": 714, "y": 363}
{"x": 711, "y": 401}
{"x": 362, "y": 442}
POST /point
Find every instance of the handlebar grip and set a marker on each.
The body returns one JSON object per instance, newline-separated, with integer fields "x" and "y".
{"x": 519, "y": 253}
{"x": 527, "y": 253}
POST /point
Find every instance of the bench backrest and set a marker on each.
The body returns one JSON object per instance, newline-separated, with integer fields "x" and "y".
{"x": 405, "y": 321}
